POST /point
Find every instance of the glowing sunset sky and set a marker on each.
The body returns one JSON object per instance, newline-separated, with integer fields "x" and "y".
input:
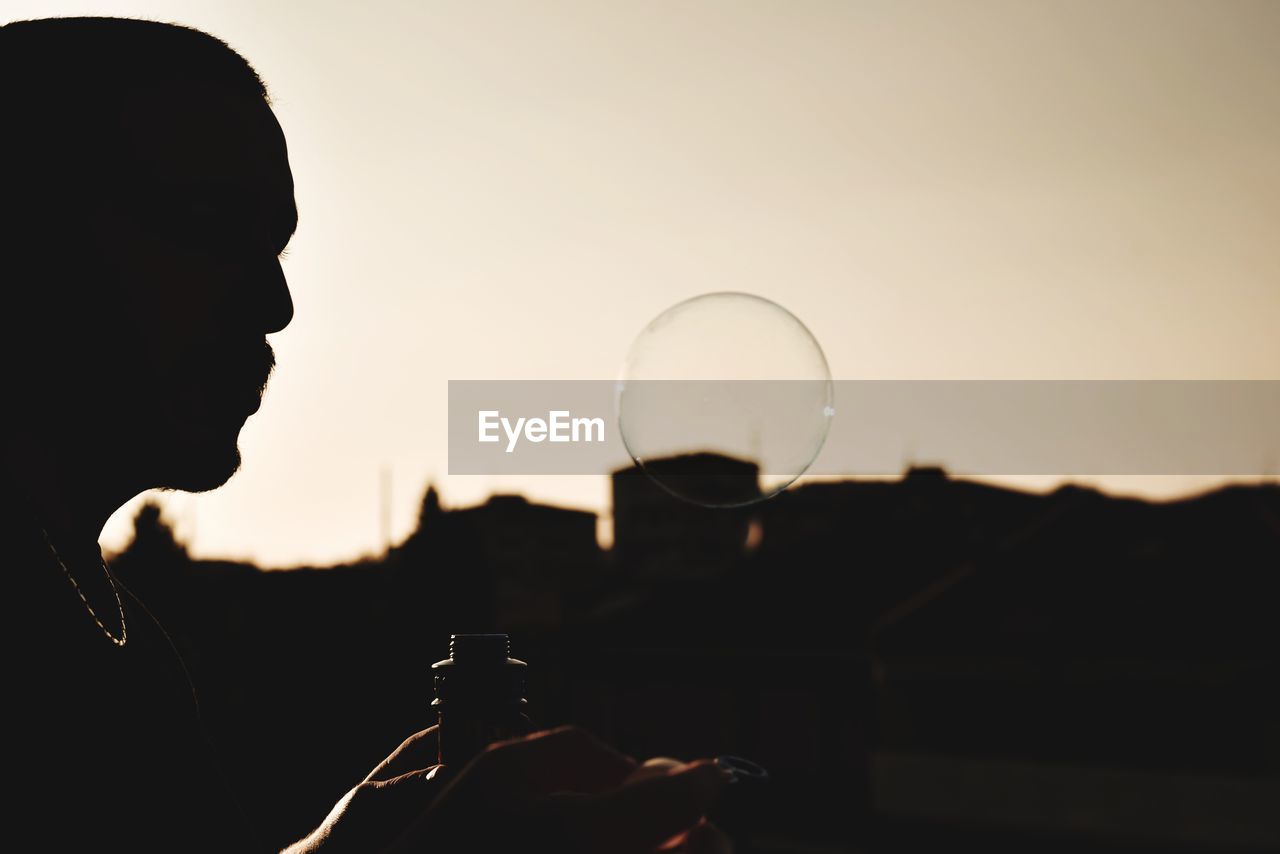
{"x": 943, "y": 190}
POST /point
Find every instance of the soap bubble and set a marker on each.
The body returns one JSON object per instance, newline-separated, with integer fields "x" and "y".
{"x": 724, "y": 399}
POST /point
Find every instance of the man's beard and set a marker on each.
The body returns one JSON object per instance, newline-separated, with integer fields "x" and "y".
{"x": 110, "y": 411}
{"x": 198, "y": 450}
{"x": 178, "y": 433}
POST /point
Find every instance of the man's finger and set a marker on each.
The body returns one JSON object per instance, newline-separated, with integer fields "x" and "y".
{"x": 371, "y": 815}
{"x": 415, "y": 753}
{"x": 562, "y": 759}
{"x": 658, "y": 766}
{"x": 641, "y": 815}
{"x": 411, "y": 791}
{"x": 706, "y": 838}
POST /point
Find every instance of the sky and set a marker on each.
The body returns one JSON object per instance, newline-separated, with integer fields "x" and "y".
{"x": 939, "y": 190}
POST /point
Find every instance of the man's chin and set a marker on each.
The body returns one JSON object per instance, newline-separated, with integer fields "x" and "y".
{"x": 203, "y": 469}
{"x": 195, "y": 458}
{"x": 200, "y": 446}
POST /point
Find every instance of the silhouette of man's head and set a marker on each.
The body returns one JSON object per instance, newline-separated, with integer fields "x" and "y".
{"x": 146, "y": 199}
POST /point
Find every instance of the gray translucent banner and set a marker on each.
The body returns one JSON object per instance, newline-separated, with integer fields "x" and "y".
{"x": 867, "y": 427}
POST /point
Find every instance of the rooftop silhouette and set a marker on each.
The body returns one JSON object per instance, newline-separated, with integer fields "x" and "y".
{"x": 863, "y": 581}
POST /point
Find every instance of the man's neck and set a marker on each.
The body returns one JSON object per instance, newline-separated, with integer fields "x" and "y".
{"x": 71, "y": 501}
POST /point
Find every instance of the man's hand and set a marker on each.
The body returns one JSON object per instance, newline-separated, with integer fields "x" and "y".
{"x": 561, "y": 791}
{"x": 370, "y": 816}
{"x": 567, "y": 792}
{"x": 703, "y": 837}
{"x": 418, "y": 751}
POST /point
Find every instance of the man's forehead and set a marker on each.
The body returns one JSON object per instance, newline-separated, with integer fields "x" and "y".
{"x": 199, "y": 133}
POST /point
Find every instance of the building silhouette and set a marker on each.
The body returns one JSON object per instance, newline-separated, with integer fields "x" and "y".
{"x": 886, "y": 648}
{"x": 659, "y": 537}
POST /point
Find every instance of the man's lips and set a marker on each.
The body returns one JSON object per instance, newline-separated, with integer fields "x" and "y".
{"x": 220, "y": 403}
{"x": 225, "y": 387}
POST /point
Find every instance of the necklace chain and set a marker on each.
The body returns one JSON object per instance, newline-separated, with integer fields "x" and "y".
{"x": 124, "y": 630}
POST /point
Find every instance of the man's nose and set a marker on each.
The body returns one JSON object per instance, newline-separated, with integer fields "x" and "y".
{"x": 263, "y": 300}
{"x": 275, "y": 303}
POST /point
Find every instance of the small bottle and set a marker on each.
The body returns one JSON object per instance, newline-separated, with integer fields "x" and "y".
{"x": 479, "y": 697}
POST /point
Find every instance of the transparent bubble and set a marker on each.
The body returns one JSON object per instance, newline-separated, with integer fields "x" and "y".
{"x": 724, "y": 399}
